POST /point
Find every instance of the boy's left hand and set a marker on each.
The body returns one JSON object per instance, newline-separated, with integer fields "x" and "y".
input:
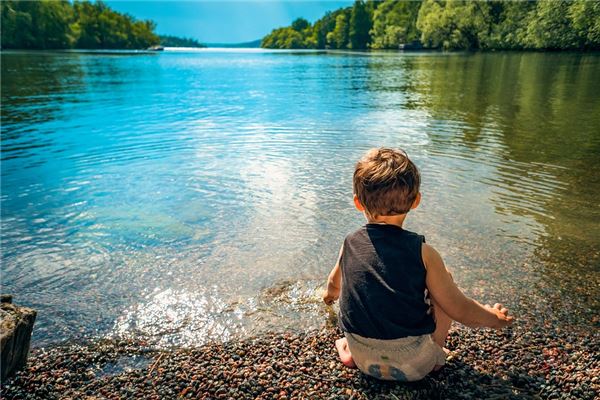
{"x": 329, "y": 297}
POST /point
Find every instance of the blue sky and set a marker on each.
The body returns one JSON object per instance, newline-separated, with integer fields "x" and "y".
{"x": 224, "y": 21}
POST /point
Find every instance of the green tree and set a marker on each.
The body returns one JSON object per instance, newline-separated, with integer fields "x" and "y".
{"x": 550, "y": 26}
{"x": 509, "y": 20}
{"x": 585, "y": 20}
{"x": 297, "y": 36}
{"x": 561, "y": 24}
{"x": 41, "y": 24}
{"x": 174, "y": 41}
{"x": 394, "y": 23}
{"x": 283, "y": 38}
{"x": 338, "y": 38}
{"x": 360, "y": 25}
{"x": 16, "y": 26}
{"x": 300, "y": 24}
{"x": 50, "y": 24}
{"x": 453, "y": 24}
{"x": 324, "y": 26}
{"x": 448, "y": 24}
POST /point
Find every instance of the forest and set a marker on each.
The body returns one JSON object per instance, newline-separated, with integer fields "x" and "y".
{"x": 448, "y": 25}
{"x": 51, "y": 24}
{"x": 174, "y": 41}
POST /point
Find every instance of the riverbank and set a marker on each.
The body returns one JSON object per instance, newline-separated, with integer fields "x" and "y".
{"x": 518, "y": 363}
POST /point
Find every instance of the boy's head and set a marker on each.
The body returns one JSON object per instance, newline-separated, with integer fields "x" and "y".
{"x": 386, "y": 182}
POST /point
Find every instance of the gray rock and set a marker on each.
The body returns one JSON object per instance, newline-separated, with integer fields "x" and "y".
{"x": 16, "y": 325}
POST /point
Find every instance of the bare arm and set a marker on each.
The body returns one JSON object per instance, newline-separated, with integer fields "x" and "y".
{"x": 452, "y": 300}
{"x": 334, "y": 282}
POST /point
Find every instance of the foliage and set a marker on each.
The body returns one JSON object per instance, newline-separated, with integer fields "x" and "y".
{"x": 300, "y": 24}
{"x": 174, "y": 41}
{"x": 360, "y": 25}
{"x": 394, "y": 23}
{"x": 338, "y": 38}
{"x": 322, "y": 27}
{"x": 50, "y": 24}
{"x": 509, "y": 21}
{"x": 452, "y": 24}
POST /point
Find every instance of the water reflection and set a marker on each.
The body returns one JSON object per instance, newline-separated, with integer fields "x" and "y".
{"x": 535, "y": 119}
{"x": 188, "y": 196}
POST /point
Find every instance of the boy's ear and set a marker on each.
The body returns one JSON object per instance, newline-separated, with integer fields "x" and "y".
{"x": 417, "y": 201}
{"x": 358, "y": 205}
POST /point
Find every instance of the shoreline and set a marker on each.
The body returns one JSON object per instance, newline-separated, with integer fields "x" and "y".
{"x": 521, "y": 362}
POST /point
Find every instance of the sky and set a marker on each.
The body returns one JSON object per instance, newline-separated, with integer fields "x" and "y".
{"x": 212, "y": 21}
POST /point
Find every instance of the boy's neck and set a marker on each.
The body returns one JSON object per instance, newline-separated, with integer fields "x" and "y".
{"x": 397, "y": 220}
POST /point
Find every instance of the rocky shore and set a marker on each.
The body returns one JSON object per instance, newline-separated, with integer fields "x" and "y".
{"x": 16, "y": 325}
{"x": 522, "y": 362}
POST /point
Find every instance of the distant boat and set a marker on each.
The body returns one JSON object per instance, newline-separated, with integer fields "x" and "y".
{"x": 156, "y": 48}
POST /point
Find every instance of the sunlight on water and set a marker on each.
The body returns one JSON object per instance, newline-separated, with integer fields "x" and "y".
{"x": 181, "y": 318}
{"x": 190, "y": 196}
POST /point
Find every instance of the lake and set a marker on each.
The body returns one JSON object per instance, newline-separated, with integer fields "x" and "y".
{"x": 182, "y": 196}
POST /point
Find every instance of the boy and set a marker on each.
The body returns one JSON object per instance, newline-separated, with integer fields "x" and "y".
{"x": 397, "y": 299}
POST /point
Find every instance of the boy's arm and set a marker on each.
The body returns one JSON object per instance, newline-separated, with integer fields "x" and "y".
{"x": 451, "y": 299}
{"x": 334, "y": 282}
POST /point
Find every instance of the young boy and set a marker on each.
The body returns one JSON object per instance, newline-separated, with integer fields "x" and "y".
{"x": 397, "y": 299}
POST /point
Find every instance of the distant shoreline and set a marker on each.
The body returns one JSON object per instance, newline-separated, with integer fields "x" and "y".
{"x": 366, "y": 52}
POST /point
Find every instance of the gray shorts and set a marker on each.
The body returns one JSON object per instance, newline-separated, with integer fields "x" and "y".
{"x": 404, "y": 359}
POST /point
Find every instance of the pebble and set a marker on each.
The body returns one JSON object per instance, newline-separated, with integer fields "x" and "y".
{"x": 482, "y": 364}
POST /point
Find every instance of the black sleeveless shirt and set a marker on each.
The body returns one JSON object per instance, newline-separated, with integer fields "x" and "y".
{"x": 383, "y": 292}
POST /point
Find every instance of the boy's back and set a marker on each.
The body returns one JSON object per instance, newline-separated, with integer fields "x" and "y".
{"x": 383, "y": 294}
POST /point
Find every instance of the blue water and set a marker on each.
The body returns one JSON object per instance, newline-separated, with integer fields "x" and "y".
{"x": 189, "y": 196}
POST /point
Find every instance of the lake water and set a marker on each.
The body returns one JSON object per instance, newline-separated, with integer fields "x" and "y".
{"x": 189, "y": 196}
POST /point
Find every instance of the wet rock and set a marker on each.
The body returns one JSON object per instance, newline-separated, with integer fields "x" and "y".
{"x": 5, "y": 298}
{"x": 16, "y": 325}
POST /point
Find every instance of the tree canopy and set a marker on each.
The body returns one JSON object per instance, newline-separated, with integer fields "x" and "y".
{"x": 50, "y": 24}
{"x": 452, "y": 25}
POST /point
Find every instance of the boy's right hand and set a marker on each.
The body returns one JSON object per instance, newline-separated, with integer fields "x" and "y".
{"x": 502, "y": 317}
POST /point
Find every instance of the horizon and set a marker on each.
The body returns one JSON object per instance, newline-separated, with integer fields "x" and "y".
{"x": 228, "y": 22}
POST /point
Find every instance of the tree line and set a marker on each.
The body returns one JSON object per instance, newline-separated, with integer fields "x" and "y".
{"x": 174, "y": 41}
{"x": 51, "y": 24}
{"x": 450, "y": 25}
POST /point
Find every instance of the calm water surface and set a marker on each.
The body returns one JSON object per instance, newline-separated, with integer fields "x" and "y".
{"x": 184, "y": 197}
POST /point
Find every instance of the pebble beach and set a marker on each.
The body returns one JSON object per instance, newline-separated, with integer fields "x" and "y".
{"x": 516, "y": 363}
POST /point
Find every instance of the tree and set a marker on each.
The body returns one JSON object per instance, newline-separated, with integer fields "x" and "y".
{"x": 174, "y": 41}
{"x": 449, "y": 24}
{"x": 509, "y": 24}
{"x": 324, "y": 26}
{"x": 360, "y": 25}
{"x": 394, "y": 23}
{"x": 284, "y": 38}
{"x": 453, "y": 24}
{"x": 561, "y": 24}
{"x": 549, "y": 27}
{"x": 300, "y": 24}
{"x": 338, "y": 38}
{"x": 50, "y": 24}
{"x": 40, "y": 24}
{"x": 585, "y": 20}
{"x": 16, "y": 26}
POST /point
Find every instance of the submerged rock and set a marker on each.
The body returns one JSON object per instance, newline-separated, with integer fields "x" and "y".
{"x": 16, "y": 325}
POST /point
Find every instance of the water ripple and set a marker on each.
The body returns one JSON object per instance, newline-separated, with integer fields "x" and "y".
{"x": 194, "y": 195}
